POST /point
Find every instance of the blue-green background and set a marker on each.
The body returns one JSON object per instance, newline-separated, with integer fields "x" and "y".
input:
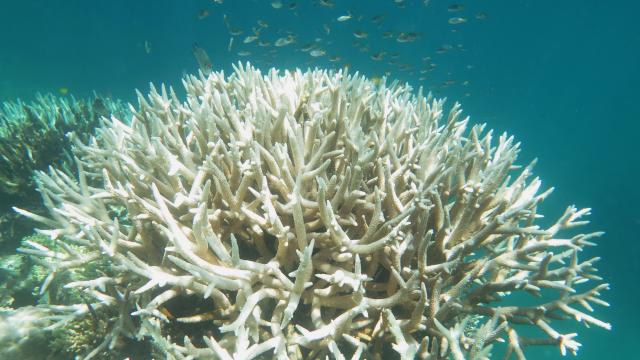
{"x": 562, "y": 76}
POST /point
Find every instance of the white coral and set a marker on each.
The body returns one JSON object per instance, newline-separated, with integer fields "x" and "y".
{"x": 394, "y": 227}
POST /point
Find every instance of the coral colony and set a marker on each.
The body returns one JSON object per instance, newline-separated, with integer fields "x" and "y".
{"x": 32, "y": 136}
{"x": 310, "y": 215}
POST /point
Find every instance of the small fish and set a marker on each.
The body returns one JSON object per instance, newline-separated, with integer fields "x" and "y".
{"x": 327, "y": 3}
{"x": 401, "y": 3}
{"x": 250, "y": 39}
{"x": 326, "y": 28}
{"x": 203, "y": 59}
{"x": 233, "y": 31}
{"x": 378, "y": 56}
{"x": 387, "y": 34}
{"x": 344, "y": 18}
{"x": 92, "y": 312}
{"x": 455, "y": 7}
{"x": 263, "y": 24}
{"x": 264, "y": 43}
{"x": 407, "y": 37}
{"x": 457, "y": 20}
{"x": 293, "y": 6}
{"x": 317, "y": 53}
{"x": 284, "y": 41}
{"x": 244, "y": 53}
{"x": 164, "y": 311}
{"x": 447, "y": 47}
{"x": 230, "y": 45}
{"x": 147, "y": 47}
{"x": 236, "y": 31}
{"x": 335, "y": 58}
{"x": 481, "y": 16}
{"x": 307, "y": 47}
{"x": 276, "y": 4}
{"x": 360, "y": 34}
{"x": 377, "y": 19}
{"x": 426, "y": 2}
{"x": 203, "y": 14}
{"x": 63, "y": 90}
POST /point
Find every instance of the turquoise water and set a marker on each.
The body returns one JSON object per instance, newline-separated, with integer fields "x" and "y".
{"x": 561, "y": 76}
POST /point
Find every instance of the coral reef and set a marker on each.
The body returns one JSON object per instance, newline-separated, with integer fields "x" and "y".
{"x": 311, "y": 214}
{"x": 32, "y": 135}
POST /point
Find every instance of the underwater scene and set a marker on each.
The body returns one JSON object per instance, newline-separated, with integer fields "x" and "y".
{"x": 319, "y": 179}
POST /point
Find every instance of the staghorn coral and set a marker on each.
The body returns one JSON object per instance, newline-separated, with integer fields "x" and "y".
{"x": 312, "y": 214}
{"x": 32, "y": 135}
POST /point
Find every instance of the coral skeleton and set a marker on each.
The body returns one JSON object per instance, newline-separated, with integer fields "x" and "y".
{"x": 313, "y": 214}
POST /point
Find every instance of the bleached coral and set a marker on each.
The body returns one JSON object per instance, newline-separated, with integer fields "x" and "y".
{"x": 312, "y": 214}
{"x": 18, "y": 341}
